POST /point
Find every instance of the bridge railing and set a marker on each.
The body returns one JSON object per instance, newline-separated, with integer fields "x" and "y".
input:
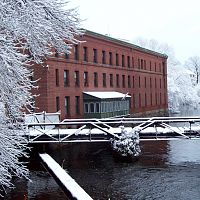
{"x": 102, "y": 130}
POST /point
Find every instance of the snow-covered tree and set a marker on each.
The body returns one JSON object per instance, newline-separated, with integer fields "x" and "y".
{"x": 29, "y": 30}
{"x": 181, "y": 90}
{"x": 163, "y": 48}
{"x": 193, "y": 63}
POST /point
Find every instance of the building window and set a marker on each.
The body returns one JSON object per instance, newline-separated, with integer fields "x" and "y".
{"x": 151, "y": 99}
{"x": 123, "y": 64}
{"x": 95, "y": 55}
{"x": 110, "y": 58}
{"x": 138, "y": 63}
{"x": 103, "y": 57}
{"x": 164, "y": 83}
{"x": 128, "y": 61}
{"x": 160, "y": 83}
{"x": 85, "y": 54}
{"x": 155, "y": 83}
{"x": 155, "y": 67}
{"x": 76, "y": 78}
{"x": 133, "y": 81}
{"x": 86, "y": 108}
{"x": 112, "y": 106}
{"x": 141, "y": 64}
{"x": 163, "y": 68}
{"x": 104, "y": 79}
{"x": 117, "y": 80}
{"x": 76, "y": 52}
{"x": 117, "y": 59}
{"x": 150, "y": 65}
{"x": 66, "y": 78}
{"x": 145, "y": 82}
{"x": 111, "y": 80}
{"x": 150, "y": 82}
{"x": 97, "y": 107}
{"x": 156, "y": 98}
{"x": 95, "y": 79}
{"x": 85, "y": 77}
{"x": 139, "y": 81}
{"x": 129, "y": 81}
{"x": 123, "y": 81}
{"x": 92, "y": 107}
{"x": 57, "y": 77}
{"x": 160, "y": 99}
{"x": 145, "y": 67}
{"x": 57, "y": 104}
{"x": 67, "y": 106}
{"x": 77, "y": 104}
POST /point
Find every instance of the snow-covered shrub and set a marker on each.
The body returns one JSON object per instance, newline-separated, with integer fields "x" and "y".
{"x": 127, "y": 144}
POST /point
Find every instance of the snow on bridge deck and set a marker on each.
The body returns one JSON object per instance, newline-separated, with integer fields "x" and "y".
{"x": 47, "y": 129}
{"x": 84, "y": 134}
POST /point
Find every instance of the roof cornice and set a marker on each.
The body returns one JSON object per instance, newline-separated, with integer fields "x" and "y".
{"x": 124, "y": 43}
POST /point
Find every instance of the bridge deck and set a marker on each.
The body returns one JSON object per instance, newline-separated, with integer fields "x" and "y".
{"x": 102, "y": 130}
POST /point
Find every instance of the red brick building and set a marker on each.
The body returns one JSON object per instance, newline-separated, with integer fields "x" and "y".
{"x": 102, "y": 63}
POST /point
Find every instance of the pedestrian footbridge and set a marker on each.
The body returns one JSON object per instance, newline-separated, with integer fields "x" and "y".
{"x": 46, "y": 128}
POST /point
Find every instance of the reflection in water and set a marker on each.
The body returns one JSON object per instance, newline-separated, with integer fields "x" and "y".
{"x": 41, "y": 187}
{"x": 182, "y": 151}
{"x": 165, "y": 170}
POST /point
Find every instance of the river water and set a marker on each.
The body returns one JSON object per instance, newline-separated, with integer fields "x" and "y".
{"x": 165, "y": 170}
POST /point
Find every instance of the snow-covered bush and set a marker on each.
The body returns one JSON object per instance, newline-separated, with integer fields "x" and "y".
{"x": 127, "y": 144}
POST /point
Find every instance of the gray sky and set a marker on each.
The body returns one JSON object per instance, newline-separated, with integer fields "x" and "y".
{"x": 175, "y": 22}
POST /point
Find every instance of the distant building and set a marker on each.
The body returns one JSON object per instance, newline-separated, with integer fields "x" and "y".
{"x": 134, "y": 79}
{"x": 192, "y": 75}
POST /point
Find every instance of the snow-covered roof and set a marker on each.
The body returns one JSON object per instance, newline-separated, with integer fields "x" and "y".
{"x": 107, "y": 95}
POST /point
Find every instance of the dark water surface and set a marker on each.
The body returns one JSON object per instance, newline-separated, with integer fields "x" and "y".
{"x": 165, "y": 170}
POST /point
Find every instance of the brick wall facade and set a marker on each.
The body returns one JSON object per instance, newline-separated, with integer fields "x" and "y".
{"x": 131, "y": 69}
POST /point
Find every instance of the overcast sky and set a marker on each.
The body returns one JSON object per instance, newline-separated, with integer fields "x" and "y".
{"x": 175, "y": 22}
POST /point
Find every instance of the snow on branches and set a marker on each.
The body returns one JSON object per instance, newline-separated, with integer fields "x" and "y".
{"x": 128, "y": 143}
{"x": 30, "y": 27}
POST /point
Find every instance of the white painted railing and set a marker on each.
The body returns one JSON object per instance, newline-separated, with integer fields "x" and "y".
{"x": 102, "y": 130}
